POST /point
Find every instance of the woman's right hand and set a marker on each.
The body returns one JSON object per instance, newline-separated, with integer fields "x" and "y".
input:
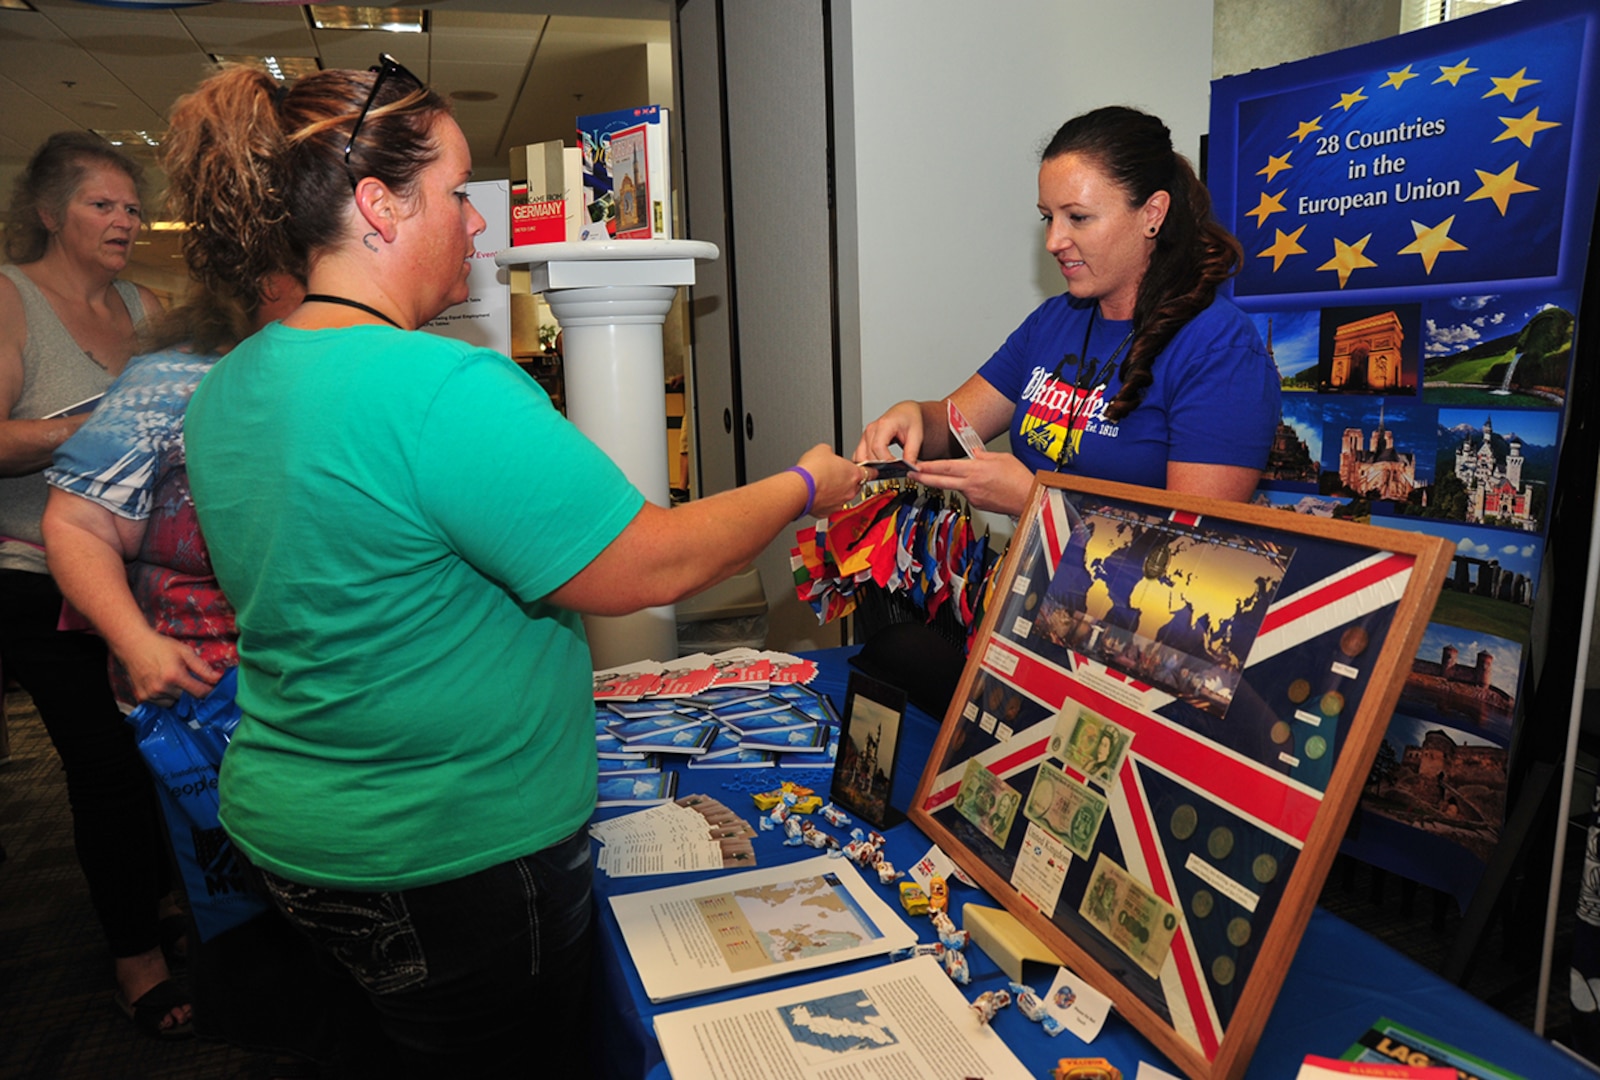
{"x": 838, "y": 481}
{"x": 161, "y": 668}
{"x": 901, "y": 425}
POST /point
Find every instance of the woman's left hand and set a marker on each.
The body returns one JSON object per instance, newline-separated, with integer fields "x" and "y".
{"x": 989, "y": 481}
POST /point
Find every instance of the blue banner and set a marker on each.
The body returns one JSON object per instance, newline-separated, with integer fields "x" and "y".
{"x": 1416, "y": 216}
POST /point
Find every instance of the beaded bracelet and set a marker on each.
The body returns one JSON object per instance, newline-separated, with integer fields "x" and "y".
{"x": 811, "y": 490}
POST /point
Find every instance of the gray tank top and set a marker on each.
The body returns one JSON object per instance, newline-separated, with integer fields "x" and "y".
{"x": 56, "y": 373}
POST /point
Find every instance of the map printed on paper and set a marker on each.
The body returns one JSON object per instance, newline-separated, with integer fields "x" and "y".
{"x": 1150, "y": 664}
{"x": 778, "y": 924}
{"x": 837, "y": 1024}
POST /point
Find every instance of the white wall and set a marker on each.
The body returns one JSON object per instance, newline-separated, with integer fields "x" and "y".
{"x": 942, "y": 107}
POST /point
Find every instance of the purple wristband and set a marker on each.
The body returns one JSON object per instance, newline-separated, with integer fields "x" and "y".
{"x": 811, "y": 490}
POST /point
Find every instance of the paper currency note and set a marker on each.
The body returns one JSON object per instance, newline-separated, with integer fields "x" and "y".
{"x": 1066, "y": 809}
{"x": 987, "y": 801}
{"x": 1137, "y": 921}
{"x": 1090, "y": 743}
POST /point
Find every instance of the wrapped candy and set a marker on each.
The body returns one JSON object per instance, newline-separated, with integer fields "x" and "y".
{"x": 887, "y": 875}
{"x": 955, "y": 966}
{"x": 816, "y": 838}
{"x": 990, "y": 1002}
{"x": 1030, "y": 1005}
{"x": 836, "y": 817}
{"x": 792, "y": 832}
{"x": 945, "y": 927}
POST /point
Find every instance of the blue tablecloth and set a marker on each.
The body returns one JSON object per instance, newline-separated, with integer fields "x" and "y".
{"x": 1341, "y": 981}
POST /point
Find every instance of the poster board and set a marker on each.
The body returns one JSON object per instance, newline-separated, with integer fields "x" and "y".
{"x": 1416, "y": 215}
{"x": 1163, "y": 727}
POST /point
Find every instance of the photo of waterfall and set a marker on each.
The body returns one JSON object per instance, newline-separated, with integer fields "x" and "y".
{"x": 1498, "y": 350}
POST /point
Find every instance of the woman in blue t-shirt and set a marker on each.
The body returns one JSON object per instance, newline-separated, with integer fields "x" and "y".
{"x": 1138, "y": 373}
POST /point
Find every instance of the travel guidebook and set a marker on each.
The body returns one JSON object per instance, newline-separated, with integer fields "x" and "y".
{"x": 1387, "y": 1041}
{"x": 625, "y": 185}
{"x": 688, "y": 939}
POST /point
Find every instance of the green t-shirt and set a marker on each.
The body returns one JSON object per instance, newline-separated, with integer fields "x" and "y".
{"x": 386, "y": 510}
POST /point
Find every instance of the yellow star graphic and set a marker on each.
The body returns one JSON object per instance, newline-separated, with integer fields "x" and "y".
{"x": 1524, "y": 127}
{"x": 1269, "y": 205}
{"x": 1397, "y": 79}
{"x": 1431, "y": 241}
{"x": 1346, "y": 101}
{"x": 1348, "y": 258}
{"x": 1306, "y": 128}
{"x": 1452, "y": 75}
{"x": 1509, "y": 86}
{"x": 1500, "y": 187}
{"x": 1284, "y": 246}
{"x": 1276, "y": 165}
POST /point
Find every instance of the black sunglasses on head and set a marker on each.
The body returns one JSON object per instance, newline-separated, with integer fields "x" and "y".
{"x": 386, "y": 66}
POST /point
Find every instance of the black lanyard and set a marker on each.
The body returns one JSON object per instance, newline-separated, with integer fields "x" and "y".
{"x": 1086, "y": 379}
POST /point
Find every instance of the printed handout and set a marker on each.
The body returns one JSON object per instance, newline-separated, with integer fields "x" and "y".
{"x": 879, "y": 1022}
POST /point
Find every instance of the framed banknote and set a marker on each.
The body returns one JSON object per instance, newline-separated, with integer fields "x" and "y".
{"x": 1164, "y": 724}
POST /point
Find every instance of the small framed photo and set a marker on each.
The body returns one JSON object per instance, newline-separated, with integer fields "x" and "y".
{"x": 869, "y": 739}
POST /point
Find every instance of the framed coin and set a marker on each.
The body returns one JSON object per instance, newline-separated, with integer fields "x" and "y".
{"x": 1239, "y": 932}
{"x": 1222, "y": 970}
{"x": 1220, "y": 842}
{"x": 1265, "y": 868}
{"x": 1184, "y": 820}
{"x": 1030, "y": 601}
{"x": 1316, "y": 746}
{"x": 1280, "y": 732}
{"x": 1332, "y": 703}
{"x": 1201, "y": 903}
{"x": 1354, "y": 641}
{"x": 1299, "y": 690}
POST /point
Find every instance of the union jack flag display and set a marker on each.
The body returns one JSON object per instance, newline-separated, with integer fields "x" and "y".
{"x": 1149, "y": 728}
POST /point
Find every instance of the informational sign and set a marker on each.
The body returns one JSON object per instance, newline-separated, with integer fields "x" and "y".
{"x": 484, "y": 318}
{"x": 1415, "y": 216}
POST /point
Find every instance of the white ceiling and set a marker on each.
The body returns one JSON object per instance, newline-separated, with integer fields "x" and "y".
{"x": 73, "y": 64}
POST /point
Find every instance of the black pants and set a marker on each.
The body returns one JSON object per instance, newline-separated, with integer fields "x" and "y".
{"x": 116, "y": 822}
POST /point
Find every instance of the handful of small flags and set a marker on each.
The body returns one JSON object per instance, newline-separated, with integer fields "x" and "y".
{"x": 903, "y": 540}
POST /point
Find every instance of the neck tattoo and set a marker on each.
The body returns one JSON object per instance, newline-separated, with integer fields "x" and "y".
{"x": 367, "y": 240}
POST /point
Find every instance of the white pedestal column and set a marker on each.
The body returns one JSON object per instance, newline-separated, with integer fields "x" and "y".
{"x": 611, "y": 299}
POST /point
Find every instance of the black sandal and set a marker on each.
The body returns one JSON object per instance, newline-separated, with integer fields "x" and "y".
{"x": 150, "y": 1012}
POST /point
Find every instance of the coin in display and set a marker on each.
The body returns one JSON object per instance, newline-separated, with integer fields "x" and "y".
{"x": 1265, "y": 868}
{"x": 1280, "y": 732}
{"x": 1316, "y": 746}
{"x": 1238, "y": 932}
{"x": 1220, "y": 842}
{"x": 1299, "y": 690}
{"x": 1202, "y": 903}
{"x": 1332, "y": 703}
{"x": 1184, "y": 820}
{"x": 1354, "y": 641}
{"x": 1222, "y": 970}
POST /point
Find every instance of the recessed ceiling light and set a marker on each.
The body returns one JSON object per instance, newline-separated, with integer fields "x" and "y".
{"x": 344, "y": 17}
{"x": 17, "y": 5}
{"x": 282, "y": 68}
{"x": 473, "y": 95}
{"x": 169, "y": 226}
{"x": 133, "y": 140}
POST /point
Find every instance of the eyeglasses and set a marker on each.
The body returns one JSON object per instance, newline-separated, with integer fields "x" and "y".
{"x": 386, "y": 66}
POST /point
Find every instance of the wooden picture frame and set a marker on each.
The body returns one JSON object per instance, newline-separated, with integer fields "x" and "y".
{"x": 1161, "y": 732}
{"x": 869, "y": 733}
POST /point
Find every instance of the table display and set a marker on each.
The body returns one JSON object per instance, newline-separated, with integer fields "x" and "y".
{"x": 1341, "y": 980}
{"x": 1161, "y": 731}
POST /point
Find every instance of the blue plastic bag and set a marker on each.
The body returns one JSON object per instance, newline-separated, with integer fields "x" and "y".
{"x": 183, "y": 745}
